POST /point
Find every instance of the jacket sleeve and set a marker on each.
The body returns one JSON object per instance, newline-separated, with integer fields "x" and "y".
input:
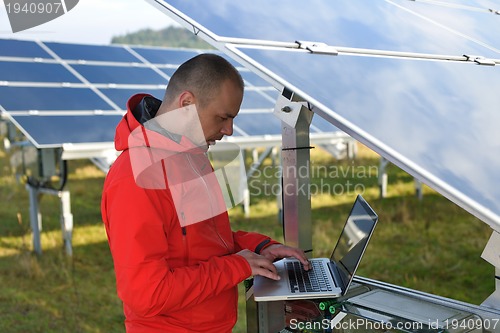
{"x": 134, "y": 220}
{"x": 252, "y": 241}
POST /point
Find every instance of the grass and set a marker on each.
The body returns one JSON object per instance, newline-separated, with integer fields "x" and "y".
{"x": 430, "y": 245}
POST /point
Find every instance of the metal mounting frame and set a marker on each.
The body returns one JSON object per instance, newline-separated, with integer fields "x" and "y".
{"x": 295, "y": 162}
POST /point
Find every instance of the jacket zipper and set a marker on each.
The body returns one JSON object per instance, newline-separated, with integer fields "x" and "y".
{"x": 185, "y": 242}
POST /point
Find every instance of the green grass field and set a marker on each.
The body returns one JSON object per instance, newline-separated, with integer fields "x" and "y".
{"x": 430, "y": 245}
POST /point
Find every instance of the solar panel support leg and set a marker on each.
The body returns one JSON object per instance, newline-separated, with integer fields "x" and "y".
{"x": 490, "y": 254}
{"x": 35, "y": 217}
{"x": 296, "y": 119}
{"x": 295, "y": 192}
{"x": 66, "y": 221}
{"x": 382, "y": 177}
{"x": 419, "y": 189}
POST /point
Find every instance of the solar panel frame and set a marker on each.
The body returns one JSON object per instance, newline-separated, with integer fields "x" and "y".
{"x": 78, "y": 129}
{"x": 383, "y": 25}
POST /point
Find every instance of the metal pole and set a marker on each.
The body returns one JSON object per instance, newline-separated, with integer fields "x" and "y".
{"x": 66, "y": 221}
{"x": 295, "y": 157}
{"x": 35, "y": 218}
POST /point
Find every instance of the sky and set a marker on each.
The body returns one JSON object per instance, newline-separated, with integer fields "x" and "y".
{"x": 92, "y": 22}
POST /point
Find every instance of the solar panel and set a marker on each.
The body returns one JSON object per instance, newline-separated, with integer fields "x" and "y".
{"x": 92, "y": 52}
{"x": 252, "y": 79}
{"x": 259, "y": 124}
{"x": 47, "y": 130}
{"x": 422, "y": 113}
{"x": 31, "y": 98}
{"x": 35, "y": 72}
{"x": 160, "y": 55}
{"x": 386, "y": 25}
{"x": 19, "y": 48}
{"x": 120, "y": 96}
{"x": 61, "y": 99}
{"x": 120, "y": 74}
{"x": 432, "y": 118}
{"x": 477, "y": 21}
{"x": 256, "y": 100}
{"x": 168, "y": 71}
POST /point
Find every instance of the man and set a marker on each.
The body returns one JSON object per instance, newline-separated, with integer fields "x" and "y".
{"x": 177, "y": 262}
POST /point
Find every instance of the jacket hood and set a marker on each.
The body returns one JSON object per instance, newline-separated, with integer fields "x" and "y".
{"x": 141, "y": 126}
{"x": 140, "y": 109}
{"x": 151, "y": 138}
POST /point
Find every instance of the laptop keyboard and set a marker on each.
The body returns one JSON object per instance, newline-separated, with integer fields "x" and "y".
{"x": 313, "y": 280}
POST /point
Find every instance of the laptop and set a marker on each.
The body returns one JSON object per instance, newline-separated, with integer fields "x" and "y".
{"x": 329, "y": 277}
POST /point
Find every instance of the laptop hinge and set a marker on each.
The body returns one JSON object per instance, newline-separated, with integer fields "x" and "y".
{"x": 334, "y": 270}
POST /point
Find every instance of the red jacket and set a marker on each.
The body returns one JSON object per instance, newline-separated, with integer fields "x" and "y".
{"x": 170, "y": 278}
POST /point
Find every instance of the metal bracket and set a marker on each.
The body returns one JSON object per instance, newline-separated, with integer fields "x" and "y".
{"x": 480, "y": 60}
{"x": 491, "y": 255}
{"x": 288, "y": 111}
{"x": 318, "y": 48}
{"x": 491, "y": 252}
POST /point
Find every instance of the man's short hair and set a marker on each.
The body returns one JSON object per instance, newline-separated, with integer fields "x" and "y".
{"x": 202, "y": 75}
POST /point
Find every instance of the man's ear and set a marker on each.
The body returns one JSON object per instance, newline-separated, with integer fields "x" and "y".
{"x": 186, "y": 98}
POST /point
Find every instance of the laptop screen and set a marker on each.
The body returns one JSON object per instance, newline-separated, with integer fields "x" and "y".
{"x": 353, "y": 240}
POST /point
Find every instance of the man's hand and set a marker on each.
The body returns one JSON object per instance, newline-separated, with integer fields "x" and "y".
{"x": 260, "y": 265}
{"x": 278, "y": 251}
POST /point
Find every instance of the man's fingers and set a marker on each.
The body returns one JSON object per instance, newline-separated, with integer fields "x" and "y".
{"x": 260, "y": 265}
{"x": 266, "y": 273}
{"x": 282, "y": 251}
{"x": 267, "y": 265}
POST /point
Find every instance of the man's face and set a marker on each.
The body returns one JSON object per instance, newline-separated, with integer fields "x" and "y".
{"x": 217, "y": 117}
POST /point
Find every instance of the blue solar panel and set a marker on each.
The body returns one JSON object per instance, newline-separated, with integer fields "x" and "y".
{"x": 253, "y": 79}
{"x": 434, "y": 119}
{"x": 35, "y": 72}
{"x": 165, "y": 56}
{"x": 349, "y": 23}
{"x": 258, "y": 124}
{"x": 168, "y": 71}
{"x": 121, "y": 96}
{"x": 322, "y": 125}
{"x": 92, "y": 52}
{"x": 20, "y": 48}
{"x": 439, "y": 116}
{"x": 50, "y": 130}
{"x": 120, "y": 74}
{"x": 56, "y": 99}
{"x": 472, "y": 19}
{"x": 30, "y": 94}
{"x": 255, "y": 100}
